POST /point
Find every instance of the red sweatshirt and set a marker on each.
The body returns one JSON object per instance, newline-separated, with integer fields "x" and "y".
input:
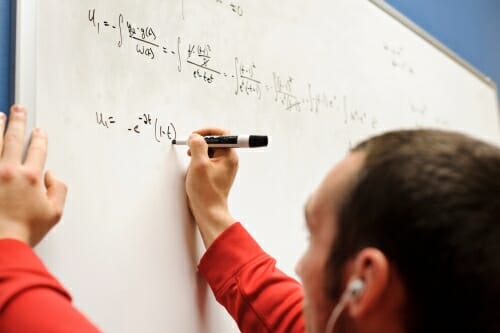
{"x": 243, "y": 278}
{"x": 31, "y": 300}
{"x": 247, "y": 283}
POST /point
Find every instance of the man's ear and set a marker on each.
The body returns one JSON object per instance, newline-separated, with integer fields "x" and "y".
{"x": 372, "y": 267}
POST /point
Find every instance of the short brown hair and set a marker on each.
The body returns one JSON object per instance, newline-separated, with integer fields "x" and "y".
{"x": 430, "y": 201}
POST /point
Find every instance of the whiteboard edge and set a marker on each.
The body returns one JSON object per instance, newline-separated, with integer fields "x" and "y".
{"x": 15, "y": 26}
{"x": 12, "y": 52}
{"x": 498, "y": 105}
{"x": 24, "y": 58}
{"x": 433, "y": 41}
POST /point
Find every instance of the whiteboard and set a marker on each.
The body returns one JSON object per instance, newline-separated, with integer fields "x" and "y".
{"x": 114, "y": 81}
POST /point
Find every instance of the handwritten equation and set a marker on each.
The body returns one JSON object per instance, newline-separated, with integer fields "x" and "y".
{"x": 198, "y": 59}
{"x": 422, "y": 116}
{"x": 233, "y": 6}
{"x": 145, "y": 123}
{"x": 398, "y": 59}
{"x": 201, "y": 61}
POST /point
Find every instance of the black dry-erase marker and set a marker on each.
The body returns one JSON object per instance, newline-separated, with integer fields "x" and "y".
{"x": 232, "y": 141}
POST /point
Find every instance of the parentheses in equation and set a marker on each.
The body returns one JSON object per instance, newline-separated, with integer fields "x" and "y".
{"x": 236, "y": 75}
{"x": 120, "y": 21}
{"x": 179, "y": 65}
{"x": 175, "y": 132}
{"x": 156, "y": 130}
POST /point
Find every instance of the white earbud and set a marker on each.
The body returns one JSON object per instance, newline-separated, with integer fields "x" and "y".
{"x": 354, "y": 290}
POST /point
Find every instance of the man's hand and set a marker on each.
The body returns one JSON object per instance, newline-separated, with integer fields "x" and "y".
{"x": 208, "y": 182}
{"x": 30, "y": 202}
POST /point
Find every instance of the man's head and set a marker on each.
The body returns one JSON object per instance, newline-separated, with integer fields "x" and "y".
{"x": 414, "y": 214}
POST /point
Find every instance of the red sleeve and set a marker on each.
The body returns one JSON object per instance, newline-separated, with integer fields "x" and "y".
{"x": 247, "y": 283}
{"x": 31, "y": 300}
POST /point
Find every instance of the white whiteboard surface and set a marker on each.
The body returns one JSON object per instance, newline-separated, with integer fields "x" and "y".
{"x": 116, "y": 80}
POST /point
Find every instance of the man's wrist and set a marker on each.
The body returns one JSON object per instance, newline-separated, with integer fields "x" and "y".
{"x": 213, "y": 224}
{"x": 15, "y": 232}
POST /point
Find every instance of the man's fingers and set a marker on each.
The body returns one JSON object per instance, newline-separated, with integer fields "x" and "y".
{"x": 211, "y": 152}
{"x": 198, "y": 148}
{"x": 56, "y": 192}
{"x": 212, "y": 131}
{"x": 3, "y": 121}
{"x": 14, "y": 136}
{"x": 37, "y": 150}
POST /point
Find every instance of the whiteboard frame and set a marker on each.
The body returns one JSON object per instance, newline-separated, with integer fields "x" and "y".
{"x": 11, "y": 79}
{"x": 26, "y": 47}
{"x": 24, "y": 21}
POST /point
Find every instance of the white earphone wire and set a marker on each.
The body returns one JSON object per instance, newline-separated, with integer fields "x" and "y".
{"x": 355, "y": 288}
{"x": 337, "y": 311}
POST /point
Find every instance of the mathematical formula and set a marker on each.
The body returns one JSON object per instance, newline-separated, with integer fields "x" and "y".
{"x": 197, "y": 58}
{"x": 398, "y": 58}
{"x": 234, "y": 7}
{"x": 145, "y": 123}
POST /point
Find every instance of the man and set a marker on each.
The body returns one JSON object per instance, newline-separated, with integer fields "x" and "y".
{"x": 411, "y": 217}
{"x": 404, "y": 238}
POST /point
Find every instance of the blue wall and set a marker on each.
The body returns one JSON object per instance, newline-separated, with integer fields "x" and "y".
{"x": 471, "y": 28}
{"x": 4, "y": 54}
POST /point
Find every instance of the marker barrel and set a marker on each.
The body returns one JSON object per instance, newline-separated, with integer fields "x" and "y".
{"x": 232, "y": 141}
